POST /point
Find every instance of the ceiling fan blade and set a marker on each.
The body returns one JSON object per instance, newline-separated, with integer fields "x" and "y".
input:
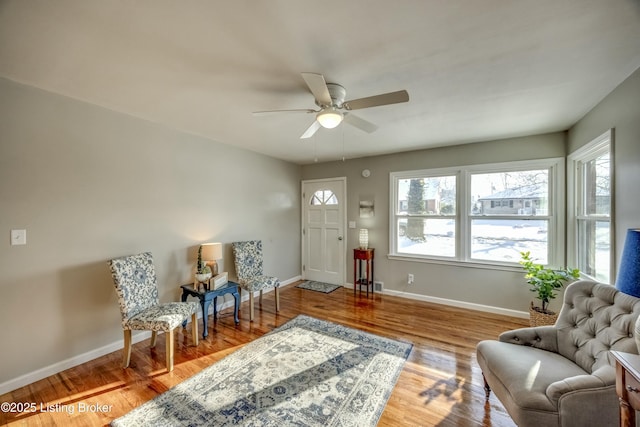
{"x": 318, "y": 87}
{"x": 361, "y": 124}
{"x": 377, "y": 100}
{"x": 270, "y": 112}
{"x": 311, "y": 130}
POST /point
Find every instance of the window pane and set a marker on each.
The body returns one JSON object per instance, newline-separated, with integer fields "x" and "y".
{"x": 503, "y": 240}
{"x": 422, "y": 236}
{"x": 593, "y": 249}
{"x": 510, "y": 193}
{"x": 324, "y": 197}
{"x": 597, "y": 186}
{"x": 427, "y": 196}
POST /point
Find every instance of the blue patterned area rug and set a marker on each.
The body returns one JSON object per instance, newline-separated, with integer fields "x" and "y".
{"x": 318, "y": 286}
{"x": 307, "y": 372}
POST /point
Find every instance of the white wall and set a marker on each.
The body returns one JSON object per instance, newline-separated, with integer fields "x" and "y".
{"x": 89, "y": 184}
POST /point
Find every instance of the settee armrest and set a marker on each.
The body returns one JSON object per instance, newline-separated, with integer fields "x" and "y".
{"x": 542, "y": 337}
{"x": 603, "y": 377}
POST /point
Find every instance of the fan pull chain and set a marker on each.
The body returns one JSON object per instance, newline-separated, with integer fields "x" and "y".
{"x": 315, "y": 147}
{"x": 342, "y": 141}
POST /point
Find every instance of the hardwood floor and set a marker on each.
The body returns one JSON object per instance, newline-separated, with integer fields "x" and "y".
{"x": 440, "y": 385}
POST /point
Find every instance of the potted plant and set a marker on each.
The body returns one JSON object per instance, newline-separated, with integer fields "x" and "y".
{"x": 203, "y": 271}
{"x": 545, "y": 282}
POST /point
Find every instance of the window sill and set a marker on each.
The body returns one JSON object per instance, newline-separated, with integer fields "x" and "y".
{"x": 456, "y": 263}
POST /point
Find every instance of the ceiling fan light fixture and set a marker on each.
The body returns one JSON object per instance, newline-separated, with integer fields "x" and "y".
{"x": 329, "y": 117}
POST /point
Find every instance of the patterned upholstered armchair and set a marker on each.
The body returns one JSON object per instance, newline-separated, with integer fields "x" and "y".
{"x": 248, "y": 262}
{"x": 135, "y": 281}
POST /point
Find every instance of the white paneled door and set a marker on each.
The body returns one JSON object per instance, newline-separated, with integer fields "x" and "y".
{"x": 323, "y": 224}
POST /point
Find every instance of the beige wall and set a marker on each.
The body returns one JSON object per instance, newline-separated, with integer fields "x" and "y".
{"x": 619, "y": 110}
{"x": 494, "y": 288}
{"x": 487, "y": 287}
{"x": 89, "y": 184}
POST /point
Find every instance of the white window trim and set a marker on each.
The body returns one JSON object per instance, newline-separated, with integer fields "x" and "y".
{"x": 556, "y": 244}
{"x": 591, "y": 150}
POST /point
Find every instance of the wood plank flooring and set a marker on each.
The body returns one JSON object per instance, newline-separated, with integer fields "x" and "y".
{"x": 440, "y": 385}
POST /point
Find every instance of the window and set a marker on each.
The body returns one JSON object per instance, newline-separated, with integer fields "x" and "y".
{"x": 425, "y": 218}
{"x": 484, "y": 214}
{"x": 509, "y": 215}
{"x": 324, "y": 197}
{"x": 590, "y": 187}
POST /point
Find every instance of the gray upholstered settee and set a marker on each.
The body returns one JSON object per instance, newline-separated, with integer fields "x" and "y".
{"x": 563, "y": 375}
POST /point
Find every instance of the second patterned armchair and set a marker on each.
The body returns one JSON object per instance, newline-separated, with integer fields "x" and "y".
{"x": 251, "y": 277}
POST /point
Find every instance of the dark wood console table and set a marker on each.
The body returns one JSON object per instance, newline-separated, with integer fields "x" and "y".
{"x": 363, "y": 277}
{"x": 627, "y": 386}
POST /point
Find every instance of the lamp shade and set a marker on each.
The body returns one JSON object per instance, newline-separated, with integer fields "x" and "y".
{"x": 628, "y": 280}
{"x": 329, "y": 117}
{"x": 211, "y": 251}
{"x": 364, "y": 238}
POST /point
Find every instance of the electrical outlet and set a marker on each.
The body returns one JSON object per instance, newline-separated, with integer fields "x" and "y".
{"x": 410, "y": 279}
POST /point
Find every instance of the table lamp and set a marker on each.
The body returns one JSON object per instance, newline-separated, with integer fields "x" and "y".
{"x": 211, "y": 252}
{"x": 628, "y": 280}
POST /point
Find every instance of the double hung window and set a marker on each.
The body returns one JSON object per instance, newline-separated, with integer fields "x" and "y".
{"x": 425, "y": 215}
{"x": 590, "y": 202}
{"x": 484, "y": 214}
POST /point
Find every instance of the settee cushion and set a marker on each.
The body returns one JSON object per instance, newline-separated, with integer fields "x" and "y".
{"x": 525, "y": 373}
{"x": 563, "y": 375}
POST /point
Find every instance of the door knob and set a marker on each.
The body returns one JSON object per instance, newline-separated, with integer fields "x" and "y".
{"x": 339, "y": 237}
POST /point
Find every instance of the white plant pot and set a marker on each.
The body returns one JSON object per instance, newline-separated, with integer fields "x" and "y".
{"x": 203, "y": 277}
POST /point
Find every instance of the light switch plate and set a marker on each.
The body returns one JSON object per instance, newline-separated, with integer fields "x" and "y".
{"x": 352, "y": 224}
{"x": 18, "y": 237}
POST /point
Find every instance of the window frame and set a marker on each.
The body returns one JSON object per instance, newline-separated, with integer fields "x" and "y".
{"x": 575, "y": 186}
{"x": 463, "y": 216}
{"x": 430, "y": 173}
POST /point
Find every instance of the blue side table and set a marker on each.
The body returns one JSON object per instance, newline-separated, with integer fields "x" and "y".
{"x": 206, "y": 297}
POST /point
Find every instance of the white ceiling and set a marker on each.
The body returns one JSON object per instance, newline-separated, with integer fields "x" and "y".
{"x": 474, "y": 69}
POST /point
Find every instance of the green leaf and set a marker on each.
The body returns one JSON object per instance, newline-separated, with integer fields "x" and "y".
{"x": 545, "y": 281}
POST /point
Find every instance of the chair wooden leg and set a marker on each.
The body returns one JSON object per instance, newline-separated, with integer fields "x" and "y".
{"x": 126, "y": 352}
{"x": 260, "y": 296}
{"x": 194, "y": 328}
{"x": 251, "y": 306}
{"x": 154, "y": 335}
{"x": 169, "y": 350}
{"x": 487, "y": 389}
{"x": 277, "y": 298}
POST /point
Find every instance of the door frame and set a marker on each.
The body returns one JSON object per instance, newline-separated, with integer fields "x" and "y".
{"x": 342, "y": 180}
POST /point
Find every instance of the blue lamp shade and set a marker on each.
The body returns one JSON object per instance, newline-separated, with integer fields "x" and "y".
{"x": 628, "y": 280}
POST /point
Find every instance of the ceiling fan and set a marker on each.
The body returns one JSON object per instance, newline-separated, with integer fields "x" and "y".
{"x": 334, "y": 109}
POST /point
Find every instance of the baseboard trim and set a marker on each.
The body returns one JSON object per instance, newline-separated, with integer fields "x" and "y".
{"x": 47, "y": 371}
{"x": 459, "y": 304}
{"x": 136, "y": 337}
{"x": 453, "y": 303}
